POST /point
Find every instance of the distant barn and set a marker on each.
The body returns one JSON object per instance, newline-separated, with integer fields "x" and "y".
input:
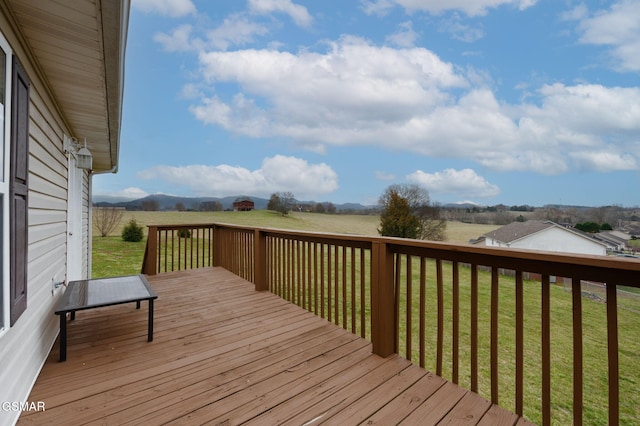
{"x": 243, "y": 205}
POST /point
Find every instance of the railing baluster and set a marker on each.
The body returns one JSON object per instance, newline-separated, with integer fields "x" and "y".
{"x": 322, "y": 280}
{"x": 474, "y": 328}
{"x": 310, "y": 284}
{"x": 612, "y": 340}
{"x": 408, "y": 305}
{"x": 329, "y": 293}
{"x": 191, "y": 250}
{"x": 440, "y": 326}
{"x": 494, "y": 334}
{"x": 455, "y": 322}
{"x": 290, "y": 269}
{"x": 519, "y": 343}
{"x": 336, "y": 283}
{"x": 344, "y": 289}
{"x": 299, "y": 284}
{"x": 363, "y": 297}
{"x": 353, "y": 290}
{"x": 397, "y": 287}
{"x": 166, "y": 251}
{"x": 546, "y": 351}
{"x": 281, "y": 289}
{"x": 315, "y": 278}
{"x": 423, "y": 313}
{"x": 179, "y": 251}
{"x": 576, "y": 293}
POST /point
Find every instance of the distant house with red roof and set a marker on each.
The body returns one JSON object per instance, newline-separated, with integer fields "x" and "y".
{"x": 243, "y": 205}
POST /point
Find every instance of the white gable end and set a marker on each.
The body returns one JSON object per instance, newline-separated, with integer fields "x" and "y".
{"x": 559, "y": 240}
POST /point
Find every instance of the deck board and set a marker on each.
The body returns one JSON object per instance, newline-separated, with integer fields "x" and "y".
{"x": 226, "y": 354}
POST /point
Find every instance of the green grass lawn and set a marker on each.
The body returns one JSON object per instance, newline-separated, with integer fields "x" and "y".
{"x": 112, "y": 257}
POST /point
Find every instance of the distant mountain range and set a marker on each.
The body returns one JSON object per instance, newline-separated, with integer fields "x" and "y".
{"x": 169, "y": 202}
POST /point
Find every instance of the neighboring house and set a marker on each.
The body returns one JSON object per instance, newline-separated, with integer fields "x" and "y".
{"x": 615, "y": 240}
{"x": 243, "y": 205}
{"x": 61, "y": 81}
{"x": 542, "y": 235}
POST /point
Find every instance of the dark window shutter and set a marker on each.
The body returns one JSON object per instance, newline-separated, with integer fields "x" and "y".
{"x": 19, "y": 190}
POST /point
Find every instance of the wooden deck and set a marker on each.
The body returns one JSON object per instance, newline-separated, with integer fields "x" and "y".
{"x": 226, "y": 354}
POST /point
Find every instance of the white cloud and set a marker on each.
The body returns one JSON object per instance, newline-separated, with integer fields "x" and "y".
{"x": 299, "y": 14}
{"x": 460, "y": 31}
{"x": 171, "y": 8}
{"x": 408, "y": 99}
{"x": 179, "y": 40}
{"x": 235, "y": 30}
{"x": 464, "y": 183}
{"x": 380, "y": 175}
{"x": 405, "y": 36}
{"x": 278, "y": 173}
{"x": 605, "y": 161}
{"x": 130, "y": 193}
{"x": 337, "y": 97}
{"x": 377, "y": 7}
{"x": 618, "y": 27}
{"x": 471, "y": 8}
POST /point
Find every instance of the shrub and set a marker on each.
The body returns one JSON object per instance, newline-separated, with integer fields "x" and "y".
{"x": 132, "y": 232}
{"x": 184, "y": 233}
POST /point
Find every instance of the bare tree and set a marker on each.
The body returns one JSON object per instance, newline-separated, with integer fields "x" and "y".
{"x": 281, "y": 202}
{"x": 106, "y": 219}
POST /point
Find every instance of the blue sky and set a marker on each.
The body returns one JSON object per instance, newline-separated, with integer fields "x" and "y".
{"x": 490, "y": 101}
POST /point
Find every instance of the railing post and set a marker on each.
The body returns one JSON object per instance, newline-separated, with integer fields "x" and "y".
{"x": 260, "y": 259}
{"x": 150, "y": 262}
{"x": 216, "y": 256}
{"x": 383, "y": 303}
{"x": 612, "y": 345}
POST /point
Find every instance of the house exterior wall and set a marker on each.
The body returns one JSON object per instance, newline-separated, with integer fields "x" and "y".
{"x": 554, "y": 239}
{"x": 25, "y": 346}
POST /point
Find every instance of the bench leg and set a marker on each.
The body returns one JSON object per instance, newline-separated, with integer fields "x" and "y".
{"x": 150, "y": 326}
{"x": 63, "y": 336}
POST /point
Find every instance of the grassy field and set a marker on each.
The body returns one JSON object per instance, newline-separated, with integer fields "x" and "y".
{"x": 457, "y": 232}
{"x": 112, "y": 256}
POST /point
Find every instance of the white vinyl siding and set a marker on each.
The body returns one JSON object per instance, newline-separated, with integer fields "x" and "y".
{"x": 554, "y": 239}
{"x": 25, "y": 346}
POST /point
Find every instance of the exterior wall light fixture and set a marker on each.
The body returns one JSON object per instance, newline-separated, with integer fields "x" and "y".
{"x": 84, "y": 159}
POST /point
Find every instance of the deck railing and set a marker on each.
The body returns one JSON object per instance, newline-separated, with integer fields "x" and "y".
{"x": 449, "y": 308}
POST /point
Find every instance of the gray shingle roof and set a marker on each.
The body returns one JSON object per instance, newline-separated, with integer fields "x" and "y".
{"x": 517, "y": 230}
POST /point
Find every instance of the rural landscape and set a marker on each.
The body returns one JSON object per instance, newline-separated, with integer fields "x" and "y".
{"x": 320, "y": 212}
{"x": 112, "y": 256}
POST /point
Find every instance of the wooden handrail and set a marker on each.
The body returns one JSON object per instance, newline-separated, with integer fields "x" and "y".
{"x": 377, "y": 287}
